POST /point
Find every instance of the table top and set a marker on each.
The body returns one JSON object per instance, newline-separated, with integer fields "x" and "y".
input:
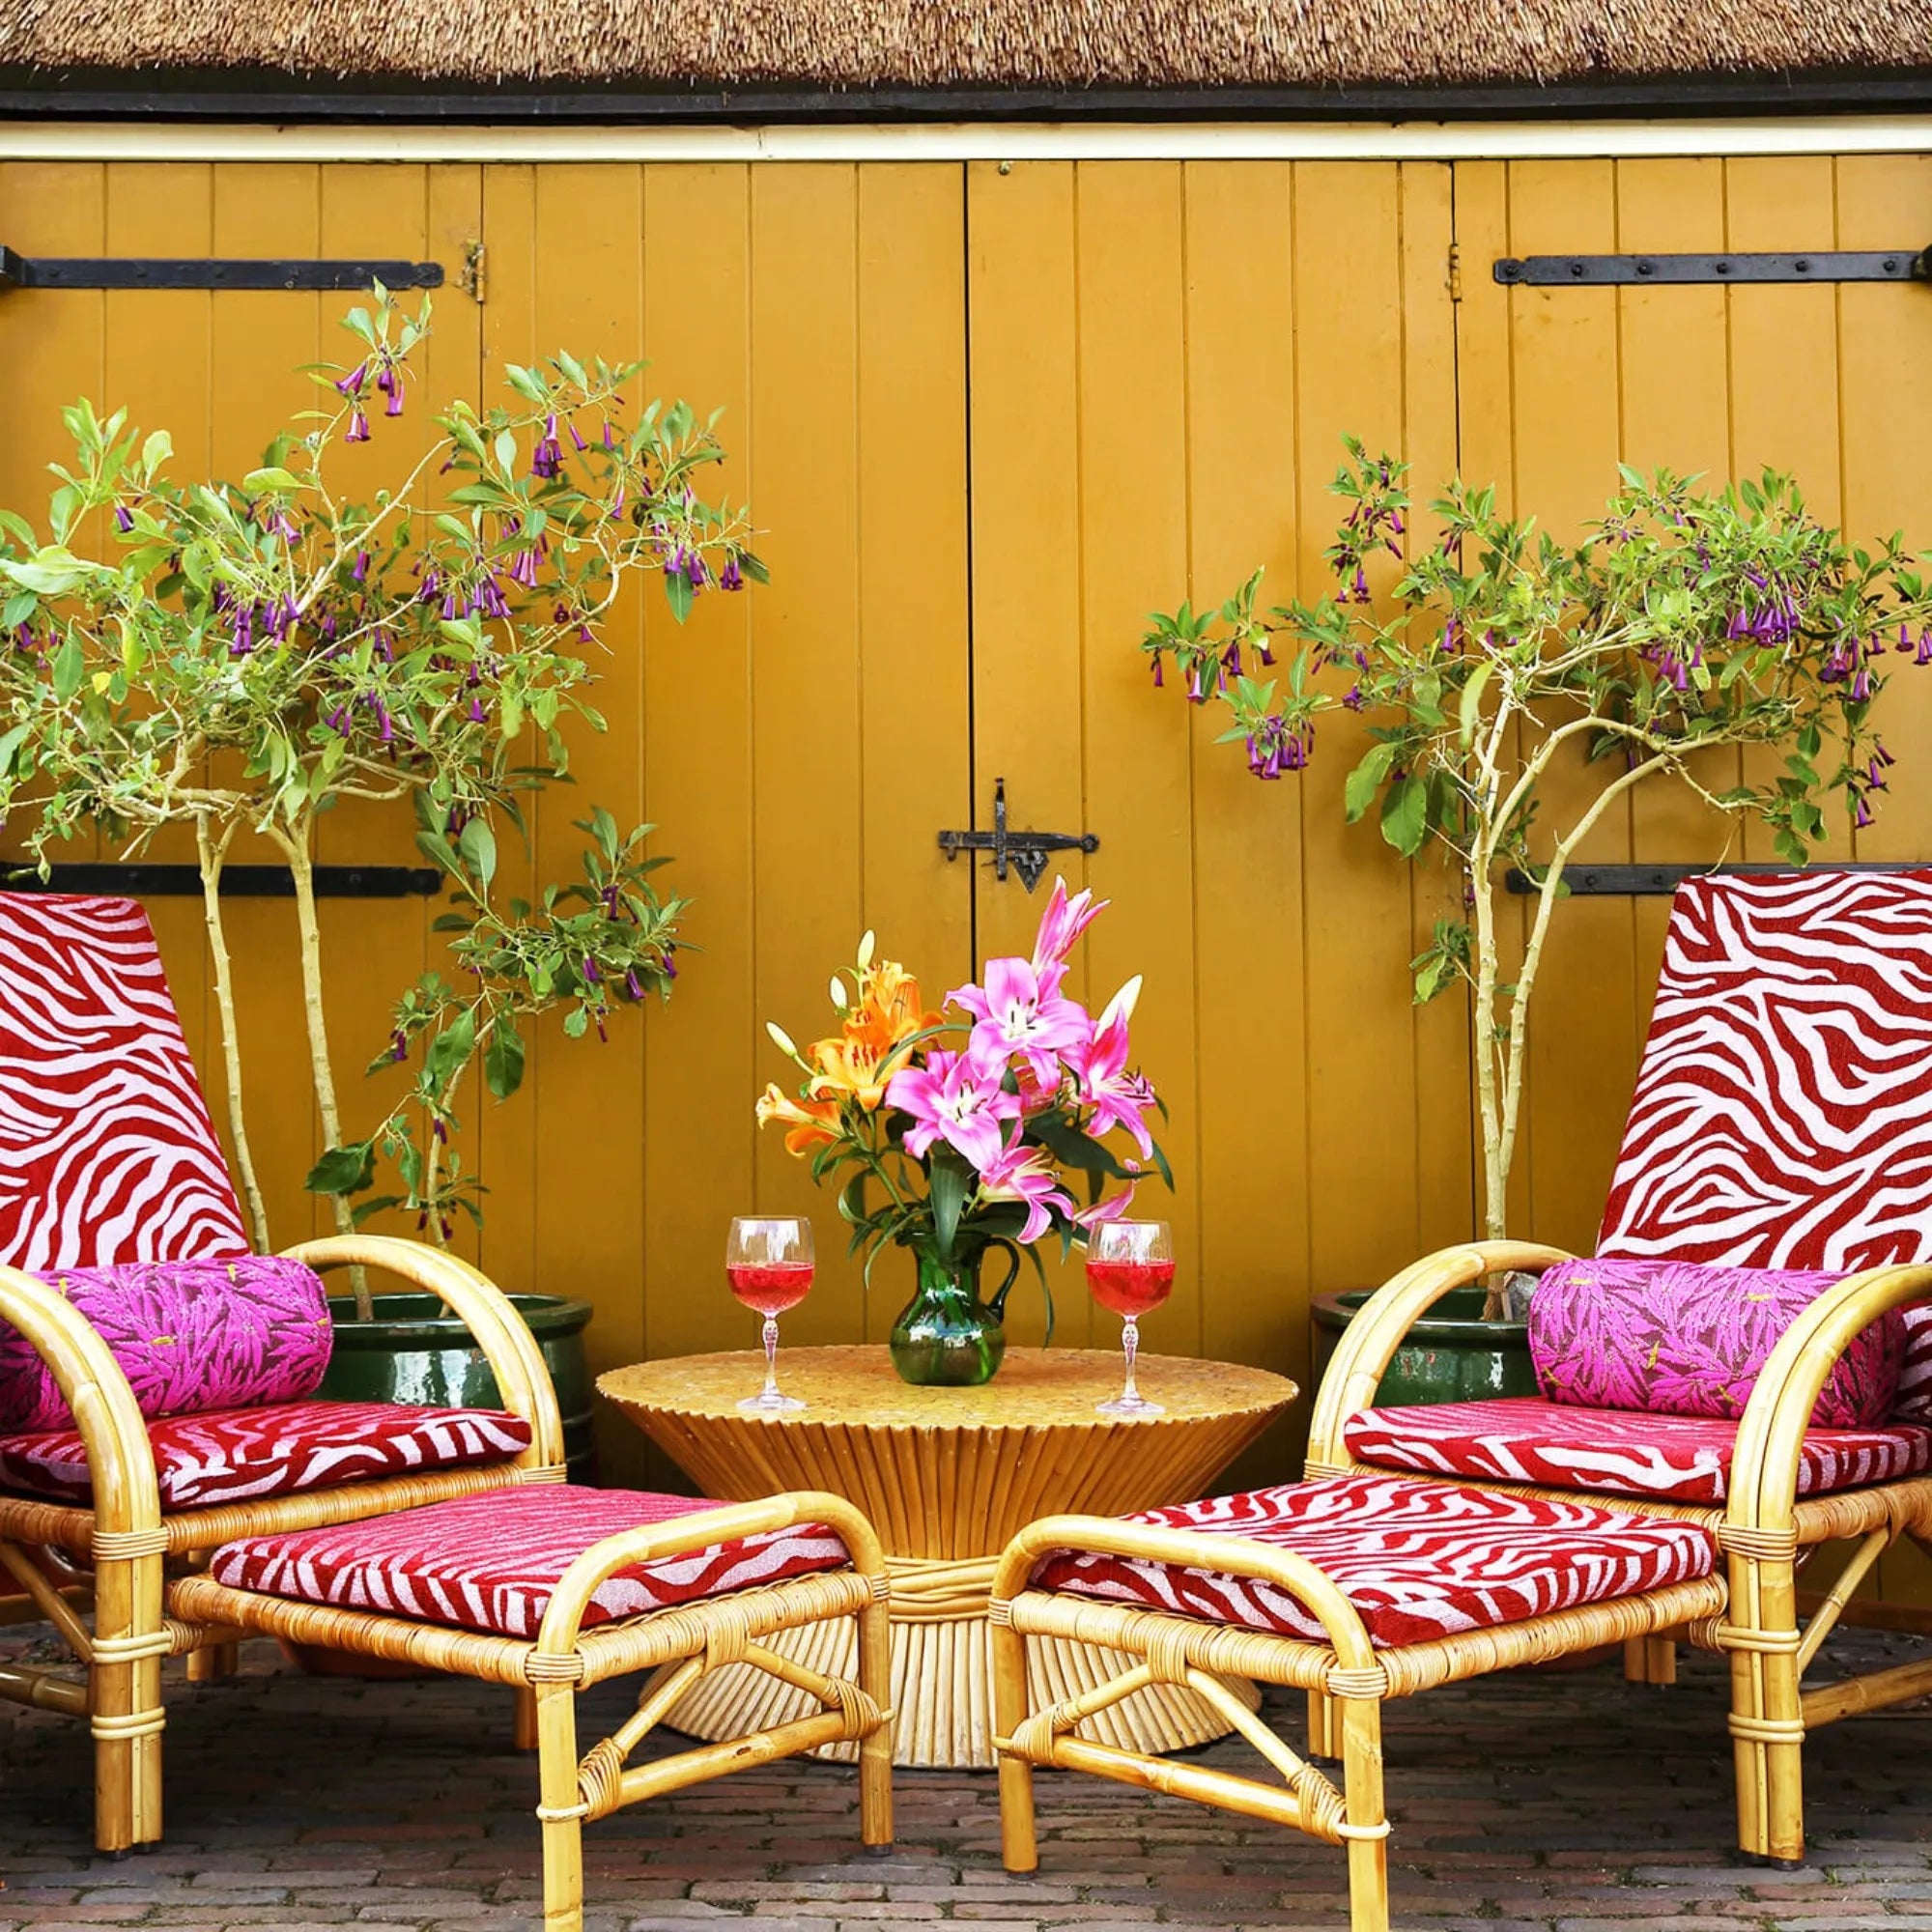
{"x": 858, "y": 1387}
{"x": 950, "y": 1474}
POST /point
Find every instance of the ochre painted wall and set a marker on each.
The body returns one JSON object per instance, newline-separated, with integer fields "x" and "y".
{"x": 990, "y": 415}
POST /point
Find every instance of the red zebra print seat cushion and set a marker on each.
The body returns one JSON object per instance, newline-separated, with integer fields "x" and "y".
{"x": 242, "y": 1455}
{"x": 1677, "y": 1458}
{"x": 493, "y": 1562}
{"x": 1417, "y": 1560}
{"x": 1783, "y": 1117}
{"x": 106, "y": 1150}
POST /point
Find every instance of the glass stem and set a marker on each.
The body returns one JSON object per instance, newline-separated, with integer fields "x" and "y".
{"x": 771, "y": 1357}
{"x": 1131, "y": 1342}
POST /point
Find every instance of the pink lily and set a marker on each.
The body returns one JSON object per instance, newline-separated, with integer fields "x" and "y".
{"x": 1018, "y": 1014}
{"x": 1026, "y": 1173}
{"x": 1099, "y": 1066}
{"x": 1061, "y": 925}
{"x": 956, "y": 1098}
{"x": 1113, "y": 1208}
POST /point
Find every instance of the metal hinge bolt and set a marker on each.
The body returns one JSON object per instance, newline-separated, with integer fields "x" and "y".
{"x": 471, "y": 280}
{"x": 1455, "y": 271}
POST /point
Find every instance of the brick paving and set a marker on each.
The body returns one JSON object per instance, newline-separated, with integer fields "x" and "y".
{"x": 1559, "y": 1801}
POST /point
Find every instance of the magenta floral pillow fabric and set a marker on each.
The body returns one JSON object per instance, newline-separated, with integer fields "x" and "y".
{"x": 1686, "y": 1338}
{"x": 189, "y": 1336}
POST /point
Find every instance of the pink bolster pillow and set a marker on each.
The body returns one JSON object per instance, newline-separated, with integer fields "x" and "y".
{"x": 1686, "y": 1338}
{"x": 189, "y": 1336}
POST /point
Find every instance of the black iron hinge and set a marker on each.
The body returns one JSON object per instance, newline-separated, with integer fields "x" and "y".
{"x": 1024, "y": 851}
{"x": 133, "y": 271}
{"x": 1583, "y": 271}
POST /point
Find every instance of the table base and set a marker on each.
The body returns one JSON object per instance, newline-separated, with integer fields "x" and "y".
{"x": 943, "y": 1695}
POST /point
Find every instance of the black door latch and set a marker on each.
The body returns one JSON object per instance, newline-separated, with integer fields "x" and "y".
{"x": 1025, "y": 851}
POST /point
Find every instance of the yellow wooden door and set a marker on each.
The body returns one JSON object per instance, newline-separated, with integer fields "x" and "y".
{"x": 1164, "y": 360}
{"x": 799, "y": 746}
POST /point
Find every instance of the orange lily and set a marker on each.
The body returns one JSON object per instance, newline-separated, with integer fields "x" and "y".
{"x": 809, "y": 1125}
{"x": 874, "y": 1042}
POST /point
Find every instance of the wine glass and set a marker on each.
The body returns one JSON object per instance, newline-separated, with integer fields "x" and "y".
{"x": 1130, "y": 1269}
{"x": 768, "y": 1263}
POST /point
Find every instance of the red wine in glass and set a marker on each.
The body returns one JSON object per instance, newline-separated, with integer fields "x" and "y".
{"x": 768, "y": 1264}
{"x": 1130, "y": 1271}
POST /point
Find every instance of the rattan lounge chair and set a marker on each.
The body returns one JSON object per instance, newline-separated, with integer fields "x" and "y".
{"x": 1780, "y": 1122}
{"x": 107, "y": 1159}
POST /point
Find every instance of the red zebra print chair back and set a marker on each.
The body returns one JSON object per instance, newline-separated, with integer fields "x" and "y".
{"x": 1783, "y": 1117}
{"x": 106, "y": 1150}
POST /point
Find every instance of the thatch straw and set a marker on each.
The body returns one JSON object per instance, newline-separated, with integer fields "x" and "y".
{"x": 1296, "y": 43}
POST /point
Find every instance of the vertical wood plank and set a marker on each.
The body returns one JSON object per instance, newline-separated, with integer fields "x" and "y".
{"x": 1567, "y": 434}
{"x": 1137, "y": 774}
{"x": 508, "y": 1140}
{"x": 156, "y": 367}
{"x": 1775, "y": 203}
{"x": 260, "y": 343}
{"x": 698, "y": 686}
{"x": 808, "y": 785}
{"x": 1674, "y": 367}
{"x": 1028, "y": 574}
{"x": 591, "y": 1103}
{"x": 1249, "y": 879}
{"x": 1361, "y": 1039}
{"x": 914, "y": 596}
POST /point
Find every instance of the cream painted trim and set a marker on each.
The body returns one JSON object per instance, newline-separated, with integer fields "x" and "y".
{"x": 1845, "y": 134}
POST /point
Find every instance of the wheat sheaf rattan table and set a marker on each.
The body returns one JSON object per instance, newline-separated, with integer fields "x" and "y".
{"x": 947, "y": 1476}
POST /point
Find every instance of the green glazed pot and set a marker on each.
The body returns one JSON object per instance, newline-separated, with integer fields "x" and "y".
{"x": 946, "y": 1337}
{"x": 415, "y": 1351}
{"x": 1452, "y": 1354}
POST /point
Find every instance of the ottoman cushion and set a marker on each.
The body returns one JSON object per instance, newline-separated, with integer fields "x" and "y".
{"x": 1417, "y": 1560}
{"x": 1678, "y": 1458}
{"x": 491, "y": 1562}
{"x": 242, "y": 1455}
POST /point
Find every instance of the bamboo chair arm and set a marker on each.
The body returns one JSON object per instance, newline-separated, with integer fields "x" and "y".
{"x": 1368, "y": 1342}
{"x": 684, "y": 1535}
{"x": 1189, "y": 1549}
{"x": 1771, "y": 1436}
{"x": 504, "y": 1337}
{"x": 120, "y": 1460}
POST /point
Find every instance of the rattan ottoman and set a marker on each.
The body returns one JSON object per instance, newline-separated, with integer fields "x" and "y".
{"x": 1355, "y": 1589}
{"x": 548, "y": 1589}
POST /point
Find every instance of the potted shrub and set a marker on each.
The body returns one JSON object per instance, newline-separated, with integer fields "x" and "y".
{"x": 1486, "y": 656}
{"x": 246, "y": 655}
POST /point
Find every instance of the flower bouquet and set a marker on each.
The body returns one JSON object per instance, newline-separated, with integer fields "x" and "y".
{"x": 955, "y": 1136}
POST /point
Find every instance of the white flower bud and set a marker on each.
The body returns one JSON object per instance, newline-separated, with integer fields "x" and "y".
{"x": 839, "y": 998}
{"x": 865, "y": 946}
{"x": 783, "y": 1039}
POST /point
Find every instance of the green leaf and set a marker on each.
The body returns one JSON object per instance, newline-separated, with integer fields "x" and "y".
{"x": 503, "y": 1058}
{"x": 156, "y": 450}
{"x": 1363, "y": 783}
{"x": 679, "y": 595}
{"x": 19, "y": 609}
{"x": 451, "y": 1049}
{"x": 343, "y": 1170}
{"x": 1471, "y": 708}
{"x": 952, "y": 1182}
{"x": 272, "y": 478}
{"x": 69, "y": 666}
{"x": 10, "y": 745}
{"x": 478, "y": 845}
{"x": 506, "y": 449}
{"x": 1405, "y": 815}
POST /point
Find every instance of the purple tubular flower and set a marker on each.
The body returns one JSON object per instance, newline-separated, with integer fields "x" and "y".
{"x": 632, "y": 985}
{"x": 694, "y": 572}
{"x": 360, "y": 573}
{"x": 547, "y": 459}
{"x": 590, "y": 974}
{"x": 1861, "y": 815}
{"x": 669, "y": 964}
{"x": 730, "y": 578}
{"x": 439, "y": 1130}
{"x": 351, "y": 384}
{"x": 358, "y": 427}
{"x": 401, "y": 1049}
{"x": 570, "y": 423}
{"x": 477, "y": 715}
{"x": 610, "y": 441}
{"x": 123, "y": 519}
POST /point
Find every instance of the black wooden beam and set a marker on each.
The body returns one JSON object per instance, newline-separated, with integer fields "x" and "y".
{"x": 137, "y": 881}
{"x": 125, "y": 271}
{"x": 1661, "y": 881}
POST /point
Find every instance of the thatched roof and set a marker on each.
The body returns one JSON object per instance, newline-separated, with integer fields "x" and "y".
{"x": 969, "y": 43}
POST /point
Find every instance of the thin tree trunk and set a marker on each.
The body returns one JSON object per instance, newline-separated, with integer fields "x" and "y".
{"x": 211, "y": 855}
{"x": 301, "y": 870}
